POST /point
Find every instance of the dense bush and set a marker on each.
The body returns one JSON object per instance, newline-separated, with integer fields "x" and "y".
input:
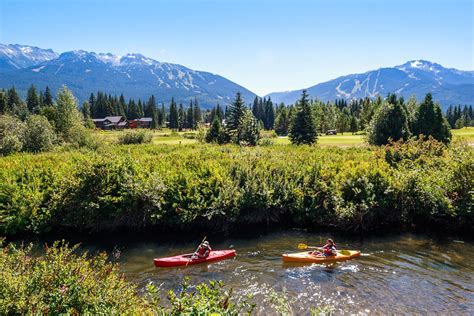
{"x": 390, "y": 122}
{"x": 222, "y": 187}
{"x": 135, "y": 137}
{"x": 64, "y": 281}
{"x": 39, "y": 134}
{"x": 12, "y": 135}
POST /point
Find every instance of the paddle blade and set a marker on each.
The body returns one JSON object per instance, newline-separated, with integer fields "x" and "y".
{"x": 302, "y": 246}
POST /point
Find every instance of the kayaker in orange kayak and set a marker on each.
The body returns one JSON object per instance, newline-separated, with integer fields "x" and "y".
{"x": 329, "y": 249}
{"x": 203, "y": 251}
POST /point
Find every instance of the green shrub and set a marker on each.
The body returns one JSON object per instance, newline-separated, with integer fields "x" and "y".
{"x": 12, "y": 135}
{"x": 183, "y": 187}
{"x": 413, "y": 150}
{"x": 65, "y": 281}
{"x": 39, "y": 135}
{"x": 135, "y": 137}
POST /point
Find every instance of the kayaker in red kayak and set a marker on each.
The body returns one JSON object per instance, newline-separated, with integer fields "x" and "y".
{"x": 329, "y": 249}
{"x": 203, "y": 251}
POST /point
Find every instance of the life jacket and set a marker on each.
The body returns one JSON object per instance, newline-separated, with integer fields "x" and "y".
{"x": 203, "y": 252}
{"x": 329, "y": 250}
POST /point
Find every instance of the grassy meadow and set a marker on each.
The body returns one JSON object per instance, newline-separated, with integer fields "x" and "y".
{"x": 166, "y": 136}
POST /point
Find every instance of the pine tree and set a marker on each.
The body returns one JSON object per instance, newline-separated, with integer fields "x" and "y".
{"x": 269, "y": 118}
{"x": 181, "y": 117}
{"x": 161, "y": 116}
{"x": 86, "y": 110}
{"x": 32, "y": 101}
{"x": 190, "y": 116}
{"x": 41, "y": 99}
{"x": 249, "y": 133}
{"x": 282, "y": 121}
{"x": 173, "y": 119}
{"x": 48, "y": 98}
{"x": 3, "y": 102}
{"x": 132, "y": 110}
{"x": 13, "y": 100}
{"x": 122, "y": 106}
{"x": 235, "y": 114}
{"x": 215, "y": 134}
{"x": 68, "y": 117}
{"x": 197, "y": 114}
{"x": 430, "y": 121}
{"x": 303, "y": 127}
{"x": 354, "y": 125}
{"x": 92, "y": 105}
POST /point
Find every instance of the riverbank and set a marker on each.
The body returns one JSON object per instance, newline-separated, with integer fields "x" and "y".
{"x": 414, "y": 186}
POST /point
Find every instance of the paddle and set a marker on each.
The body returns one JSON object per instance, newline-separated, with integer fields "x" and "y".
{"x": 195, "y": 252}
{"x": 305, "y": 246}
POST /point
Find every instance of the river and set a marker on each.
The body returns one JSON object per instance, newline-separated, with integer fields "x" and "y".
{"x": 397, "y": 274}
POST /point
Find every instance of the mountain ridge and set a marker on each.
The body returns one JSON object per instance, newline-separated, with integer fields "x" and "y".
{"x": 415, "y": 77}
{"x": 134, "y": 75}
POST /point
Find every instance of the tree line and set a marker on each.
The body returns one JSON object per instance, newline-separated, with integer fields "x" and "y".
{"x": 240, "y": 122}
{"x": 460, "y": 117}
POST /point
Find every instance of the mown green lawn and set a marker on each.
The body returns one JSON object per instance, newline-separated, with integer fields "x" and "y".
{"x": 330, "y": 140}
{"x": 466, "y": 134}
{"x": 166, "y": 136}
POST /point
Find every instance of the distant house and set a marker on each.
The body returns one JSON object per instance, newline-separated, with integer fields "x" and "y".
{"x": 110, "y": 122}
{"x": 144, "y": 122}
{"x": 115, "y": 122}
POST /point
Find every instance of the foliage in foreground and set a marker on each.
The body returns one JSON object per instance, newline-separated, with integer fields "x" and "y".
{"x": 421, "y": 184}
{"x": 63, "y": 281}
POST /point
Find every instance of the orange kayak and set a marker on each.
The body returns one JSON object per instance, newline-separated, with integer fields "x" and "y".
{"x": 309, "y": 258}
{"x": 182, "y": 260}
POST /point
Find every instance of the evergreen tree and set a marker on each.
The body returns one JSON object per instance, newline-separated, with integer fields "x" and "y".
{"x": 190, "y": 116}
{"x": 181, "y": 117}
{"x": 92, "y": 106}
{"x": 132, "y": 110}
{"x": 234, "y": 116}
{"x": 32, "y": 101}
{"x": 249, "y": 133}
{"x": 216, "y": 112}
{"x": 3, "y": 102}
{"x": 162, "y": 116}
{"x": 389, "y": 122}
{"x": 48, "y": 98}
{"x": 354, "y": 125}
{"x": 68, "y": 117}
{"x": 216, "y": 133}
{"x": 122, "y": 106}
{"x": 282, "y": 121}
{"x": 303, "y": 127}
{"x": 269, "y": 118}
{"x": 41, "y": 99}
{"x": 430, "y": 121}
{"x": 86, "y": 110}
{"x": 197, "y": 114}
{"x": 173, "y": 119}
{"x": 13, "y": 100}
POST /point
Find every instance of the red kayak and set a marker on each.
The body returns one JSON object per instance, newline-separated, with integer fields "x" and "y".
{"x": 182, "y": 260}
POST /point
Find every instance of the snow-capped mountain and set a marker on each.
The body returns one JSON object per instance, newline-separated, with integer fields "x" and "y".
{"x": 417, "y": 77}
{"x": 22, "y": 56}
{"x": 134, "y": 75}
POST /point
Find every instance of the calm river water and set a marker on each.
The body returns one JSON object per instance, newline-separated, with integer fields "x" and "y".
{"x": 403, "y": 274}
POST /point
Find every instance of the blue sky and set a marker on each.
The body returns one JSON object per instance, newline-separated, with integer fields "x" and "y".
{"x": 263, "y": 45}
